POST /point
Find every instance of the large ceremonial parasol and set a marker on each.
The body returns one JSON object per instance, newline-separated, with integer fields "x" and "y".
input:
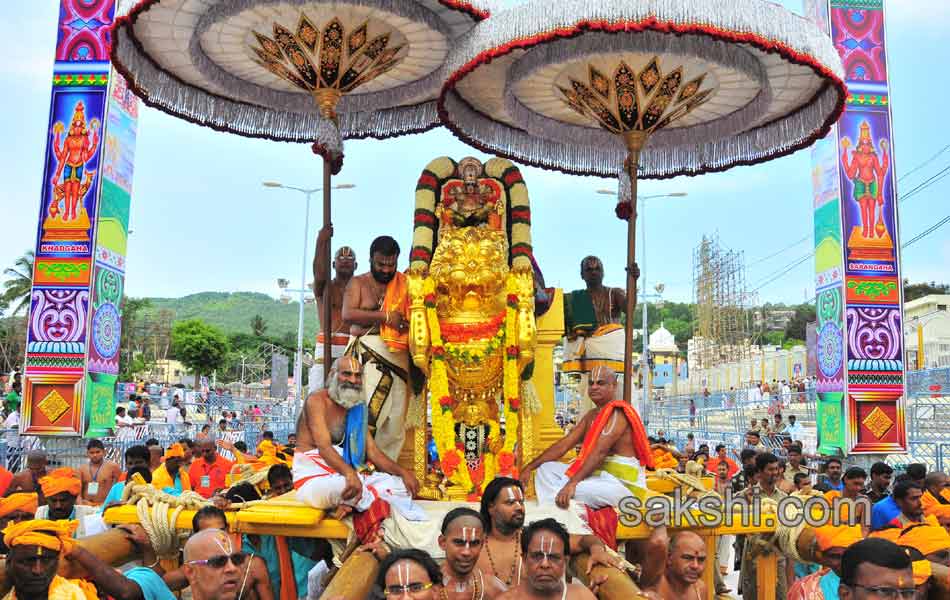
{"x": 652, "y": 88}
{"x": 294, "y": 70}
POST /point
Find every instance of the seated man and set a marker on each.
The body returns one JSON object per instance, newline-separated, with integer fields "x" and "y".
{"x": 544, "y": 546}
{"x": 611, "y": 463}
{"x": 61, "y": 488}
{"x": 333, "y": 447}
{"x": 683, "y": 576}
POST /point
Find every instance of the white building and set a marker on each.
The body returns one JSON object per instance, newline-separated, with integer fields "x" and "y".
{"x": 927, "y": 318}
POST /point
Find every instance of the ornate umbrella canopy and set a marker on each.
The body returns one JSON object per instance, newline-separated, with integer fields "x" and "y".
{"x": 273, "y": 68}
{"x": 711, "y": 84}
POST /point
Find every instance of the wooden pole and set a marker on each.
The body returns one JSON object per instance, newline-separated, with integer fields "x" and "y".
{"x": 327, "y": 317}
{"x": 635, "y": 141}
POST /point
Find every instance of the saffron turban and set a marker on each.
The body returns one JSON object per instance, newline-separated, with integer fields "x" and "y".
{"x": 922, "y": 571}
{"x": 61, "y": 480}
{"x": 840, "y": 536}
{"x": 27, "y": 502}
{"x": 175, "y": 450}
{"x": 926, "y": 538}
{"x": 52, "y": 535}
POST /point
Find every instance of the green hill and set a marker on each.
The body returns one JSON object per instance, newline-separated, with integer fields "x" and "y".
{"x": 232, "y": 312}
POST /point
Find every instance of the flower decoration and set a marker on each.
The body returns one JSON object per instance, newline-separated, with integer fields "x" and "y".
{"x": 624, "y": 210}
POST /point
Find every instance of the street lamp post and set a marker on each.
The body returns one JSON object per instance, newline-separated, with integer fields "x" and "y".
{"x": 644, "y": 359}
{"x": 325, "y": 317}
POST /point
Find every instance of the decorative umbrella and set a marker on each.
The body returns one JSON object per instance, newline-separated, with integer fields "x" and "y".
{"x": 662, "y": 87}
{"x": 294, "y": 70}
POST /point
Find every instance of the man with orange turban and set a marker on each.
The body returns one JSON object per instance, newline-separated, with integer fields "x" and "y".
{"x": 35, "y": 548}
{"x": 832, "y": 541}
{"x": 932, "y": 541}
{"x": 169, "y": 474}
{"x": 14, "y": 509}
{"x": 61, "y": 489}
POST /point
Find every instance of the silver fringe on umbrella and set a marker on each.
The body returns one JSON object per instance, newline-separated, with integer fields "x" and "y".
{"x": 737, "y": 33}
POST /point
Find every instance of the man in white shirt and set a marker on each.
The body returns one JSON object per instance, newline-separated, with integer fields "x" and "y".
{"x": 794, "y": 429}
{"x": 124, "y": 425}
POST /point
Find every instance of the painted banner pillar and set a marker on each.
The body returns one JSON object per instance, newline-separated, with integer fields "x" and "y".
{"x": 72, "y": 358}
{"x": 859, "y": 347}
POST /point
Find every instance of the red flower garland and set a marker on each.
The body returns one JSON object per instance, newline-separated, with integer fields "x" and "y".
{"x": 450, "y": 462}
{"x": 466, "y": 332}
{"x": 624, "y": 210}
{"x": 512, "y": 351}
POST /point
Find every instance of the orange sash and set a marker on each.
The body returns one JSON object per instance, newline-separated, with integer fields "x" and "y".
{"x": 641, "y": 444}
{"x": 396, "y": 299}
{"x": 288, "y": 583}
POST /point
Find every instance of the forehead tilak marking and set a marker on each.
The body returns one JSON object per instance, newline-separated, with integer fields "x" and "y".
{"x": 403, "y": 573}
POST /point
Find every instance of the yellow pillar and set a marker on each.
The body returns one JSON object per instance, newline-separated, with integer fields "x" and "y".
{"x": 766, "y": 574}
{"x": 550, "y": 332}
{"x": 920, "y": 347}
{"x": 709, "y": 572}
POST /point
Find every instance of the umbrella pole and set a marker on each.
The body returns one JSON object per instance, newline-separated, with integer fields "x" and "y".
{"x": 327, "y": 316}
{"x": 635, "y": 141}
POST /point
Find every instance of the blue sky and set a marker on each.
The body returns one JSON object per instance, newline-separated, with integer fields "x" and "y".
{"x": 201, "y": 220}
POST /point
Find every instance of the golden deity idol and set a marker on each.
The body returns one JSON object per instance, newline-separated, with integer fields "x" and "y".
{"x": 472, "y": 325}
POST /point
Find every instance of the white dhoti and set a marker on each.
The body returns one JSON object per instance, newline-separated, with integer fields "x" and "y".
{"x": 320, "y": 486}
{"x": 619, "y": 477}
{"x": 386, "y": 385}
{"x": 318, "y": 371}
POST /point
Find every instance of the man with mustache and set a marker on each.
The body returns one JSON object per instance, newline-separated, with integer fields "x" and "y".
{"x": 375, "y": 306}
{"x": 502, "y": 559}
{"x": 334, "y": 450}
{"x": 545, "y": 547}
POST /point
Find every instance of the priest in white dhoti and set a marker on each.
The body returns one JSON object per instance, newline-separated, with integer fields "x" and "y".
{"x": 614, "y": 453}
{"x": 595, "y": 337}
{"x": 335, "y": 455}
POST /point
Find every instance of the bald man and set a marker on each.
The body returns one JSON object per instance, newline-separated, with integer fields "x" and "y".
{"x": 208, "y": 579}
{"x": 613, "y": 456}
{"x": 344, "y": 265}
{"x": 683, "y": 576}
{"x": 334, "y": 449}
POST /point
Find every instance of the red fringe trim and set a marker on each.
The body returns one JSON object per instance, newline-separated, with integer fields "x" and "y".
{"x": 654, "y": 24}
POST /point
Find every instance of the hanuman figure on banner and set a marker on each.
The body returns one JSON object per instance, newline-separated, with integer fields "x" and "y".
{"x": 72, "y": 154}
{"x": 867, "y": 172}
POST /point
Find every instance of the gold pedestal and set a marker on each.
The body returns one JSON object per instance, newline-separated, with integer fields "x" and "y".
{"x": 550, "y": 332}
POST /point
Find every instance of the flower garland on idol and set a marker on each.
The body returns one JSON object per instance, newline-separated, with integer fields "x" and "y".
{"x": 452, "y": 458}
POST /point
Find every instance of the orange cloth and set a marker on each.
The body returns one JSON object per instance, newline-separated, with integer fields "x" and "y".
{"x": 922, "y": 572}
{"x": 712, "y": 465}
{"x": 215, "y": 474}
{"x": 843, "y": 509}
{"x": 934, "y": 506}
{"x": 61, "y": 480}
{"x": 161, "y": 478}
{"x": 24, "y": 501}
{"x": 926, "y": 538}
{"x": 841, "y": 536}
{"x": 52, "y": 535}
{"x": 396, "y": 299}
{"x": 663, "y": 459}
{"x": 288, "y": 583}
{"x": 641, "y": 444}
{"x": 6, "y": 478}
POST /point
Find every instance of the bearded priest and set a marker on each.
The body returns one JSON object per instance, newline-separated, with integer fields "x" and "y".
{"x": 335, "y": 454}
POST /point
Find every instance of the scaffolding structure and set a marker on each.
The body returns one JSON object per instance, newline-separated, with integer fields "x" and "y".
{"x": 721, "y": 329}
